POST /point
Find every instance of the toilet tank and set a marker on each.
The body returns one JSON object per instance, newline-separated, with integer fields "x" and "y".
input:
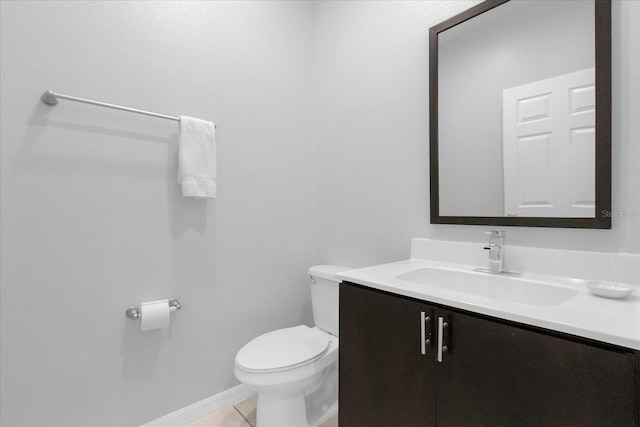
{"x": 324, "y": 296}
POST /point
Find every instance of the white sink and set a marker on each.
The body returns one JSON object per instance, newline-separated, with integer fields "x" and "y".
{"x": 504, "y": 288}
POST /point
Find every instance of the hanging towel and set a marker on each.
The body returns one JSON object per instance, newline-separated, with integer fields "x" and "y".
{"x": 197, "y": 157}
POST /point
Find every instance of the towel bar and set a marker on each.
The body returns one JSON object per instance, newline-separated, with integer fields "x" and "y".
{"x": 51, "y": 98}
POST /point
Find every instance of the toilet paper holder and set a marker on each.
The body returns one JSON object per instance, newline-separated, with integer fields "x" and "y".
{"x": 134, "y": 312}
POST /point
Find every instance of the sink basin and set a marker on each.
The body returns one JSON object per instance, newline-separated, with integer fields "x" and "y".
{"x": 504, "y": 288}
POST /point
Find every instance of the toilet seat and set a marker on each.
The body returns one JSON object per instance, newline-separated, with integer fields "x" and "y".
{"x": 283, "y": 349}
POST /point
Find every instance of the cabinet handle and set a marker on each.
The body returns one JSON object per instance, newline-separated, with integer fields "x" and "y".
{"x": 441, "y": 348}
{"x": 425, "y": 332}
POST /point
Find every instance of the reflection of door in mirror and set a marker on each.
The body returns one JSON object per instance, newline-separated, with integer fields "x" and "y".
{"x": 548, "y": 139}
{"x": 514, "y": 44}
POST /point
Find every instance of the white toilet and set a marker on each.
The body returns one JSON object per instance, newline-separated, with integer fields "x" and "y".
{"x": 295, "y": 370}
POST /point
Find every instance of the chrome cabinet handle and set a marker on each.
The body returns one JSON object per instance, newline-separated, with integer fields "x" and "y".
{"x": 441, "y": 347}
{"x": 424, "y": 341}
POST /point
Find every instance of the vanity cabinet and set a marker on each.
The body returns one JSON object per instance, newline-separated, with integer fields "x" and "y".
{"x": 492, "y": 372}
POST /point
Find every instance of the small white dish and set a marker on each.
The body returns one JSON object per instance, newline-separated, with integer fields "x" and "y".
{"x": 609, "y": 289}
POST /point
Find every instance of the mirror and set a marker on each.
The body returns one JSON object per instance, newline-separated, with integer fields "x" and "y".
{"x": 520, "y": 115}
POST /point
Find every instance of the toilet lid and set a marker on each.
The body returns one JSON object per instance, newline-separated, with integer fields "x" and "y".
{"x": 283, "y": 348}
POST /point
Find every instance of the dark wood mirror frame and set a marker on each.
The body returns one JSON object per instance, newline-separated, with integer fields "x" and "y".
{"x": 602, "y": 217}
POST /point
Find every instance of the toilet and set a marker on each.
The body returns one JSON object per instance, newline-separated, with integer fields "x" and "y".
{"x": 295, "y": 370}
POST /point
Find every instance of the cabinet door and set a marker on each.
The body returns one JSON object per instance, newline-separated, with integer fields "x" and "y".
{"x": 385, "y": 380}
{"x": 496, "y": 374}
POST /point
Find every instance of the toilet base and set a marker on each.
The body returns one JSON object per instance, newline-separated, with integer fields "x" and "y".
{"x": 330, "y": 413}
{"x": 281, "y": 411}
{"x": 316, "y": 405}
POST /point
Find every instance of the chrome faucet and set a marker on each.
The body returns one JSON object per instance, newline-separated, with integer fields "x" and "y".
{"x": 496, "y": 250}
{"x": 496, "y": 254}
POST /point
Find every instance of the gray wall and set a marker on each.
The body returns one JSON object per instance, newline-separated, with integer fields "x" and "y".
{"x": 93, "y": 220}
{"x": 323, "y": 151}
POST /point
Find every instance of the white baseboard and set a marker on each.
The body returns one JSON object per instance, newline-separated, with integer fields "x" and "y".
{"x": 202, "y": 409}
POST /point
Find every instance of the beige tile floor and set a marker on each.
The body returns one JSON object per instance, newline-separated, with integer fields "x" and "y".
{"x": 242, "y": 414}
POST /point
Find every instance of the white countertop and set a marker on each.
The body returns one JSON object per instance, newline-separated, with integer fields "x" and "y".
{"x": 614, "y": 321}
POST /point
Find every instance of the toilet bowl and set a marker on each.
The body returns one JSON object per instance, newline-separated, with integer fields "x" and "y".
{"x": 295, "y": 370}
{"x": 283, "y": 387}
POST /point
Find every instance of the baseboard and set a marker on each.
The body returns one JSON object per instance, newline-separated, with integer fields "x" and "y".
{"x": 199, "y": 410}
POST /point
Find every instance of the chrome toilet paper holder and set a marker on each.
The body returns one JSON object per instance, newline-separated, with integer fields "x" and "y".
{"x": 133, "y": 312}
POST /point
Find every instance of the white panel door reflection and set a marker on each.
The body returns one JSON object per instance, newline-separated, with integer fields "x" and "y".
{"x": 549, "y": 147}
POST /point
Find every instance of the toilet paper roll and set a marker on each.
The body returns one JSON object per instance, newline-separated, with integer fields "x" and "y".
{"x": 154, "y": 315}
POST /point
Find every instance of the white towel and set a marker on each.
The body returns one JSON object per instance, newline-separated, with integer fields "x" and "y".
{"x": 197, "y": 157}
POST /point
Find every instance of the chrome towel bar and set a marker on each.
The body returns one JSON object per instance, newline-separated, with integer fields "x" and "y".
{"x": 51, "y": 98}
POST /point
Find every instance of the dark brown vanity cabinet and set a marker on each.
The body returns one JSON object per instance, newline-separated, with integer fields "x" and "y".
{"x": 492, "y": 372}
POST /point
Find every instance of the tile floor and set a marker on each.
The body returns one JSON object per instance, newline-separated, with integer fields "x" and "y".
{"x": 242, "y": 414}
